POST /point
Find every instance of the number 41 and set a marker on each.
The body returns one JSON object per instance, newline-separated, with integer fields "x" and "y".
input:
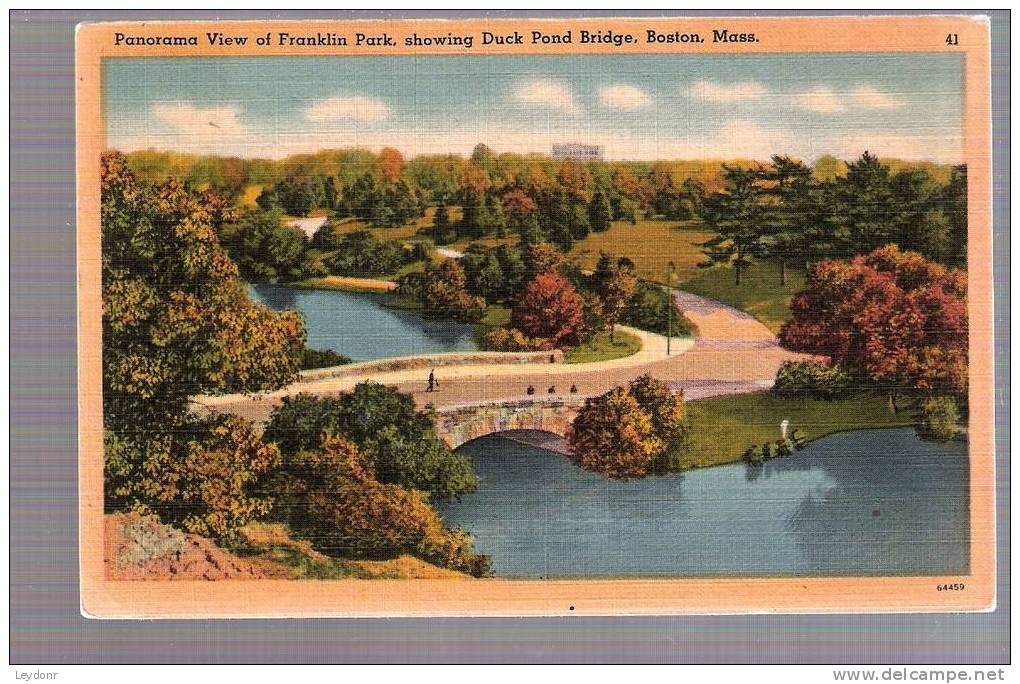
{"x": 952, "y": 39}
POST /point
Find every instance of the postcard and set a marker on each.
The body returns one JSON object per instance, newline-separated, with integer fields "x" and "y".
{"x": 535, "y": 317}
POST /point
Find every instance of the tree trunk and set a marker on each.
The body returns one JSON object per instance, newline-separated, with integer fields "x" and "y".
{"x": 892, "y": 403}
{"x": 782, "y": 272}
{"x": 736, "y": 269}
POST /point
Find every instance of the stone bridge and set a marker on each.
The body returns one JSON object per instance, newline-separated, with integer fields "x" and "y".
{"x": 457, "y": 425}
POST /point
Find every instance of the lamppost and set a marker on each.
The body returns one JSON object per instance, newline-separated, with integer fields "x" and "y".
{"x": 670, "y": 271}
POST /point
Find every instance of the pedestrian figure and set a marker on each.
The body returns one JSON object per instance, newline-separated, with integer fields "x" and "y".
{"x": 433, "y": 383}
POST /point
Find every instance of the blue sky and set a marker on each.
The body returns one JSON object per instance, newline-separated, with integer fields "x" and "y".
{"x": 638, "y": 107}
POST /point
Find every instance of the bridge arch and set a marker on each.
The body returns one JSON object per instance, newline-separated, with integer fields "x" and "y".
{"x": 457, "y": 425}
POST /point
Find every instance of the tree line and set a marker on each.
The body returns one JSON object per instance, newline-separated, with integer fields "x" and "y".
{"x": 782, "y": 212}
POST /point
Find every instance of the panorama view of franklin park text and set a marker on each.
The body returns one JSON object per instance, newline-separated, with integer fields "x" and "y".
{"x": 534, "y": 317}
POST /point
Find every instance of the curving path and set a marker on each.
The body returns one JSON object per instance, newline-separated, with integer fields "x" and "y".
{"x": 732, "y": 353}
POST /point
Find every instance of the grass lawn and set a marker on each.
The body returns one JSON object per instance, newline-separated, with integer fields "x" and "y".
{"x": 600, "y": 348}
{"x": 759, "y": 293}
{"x": 651, "y": 245}
{"x": 722, "y": 428}
{"x": 494, "y": 316}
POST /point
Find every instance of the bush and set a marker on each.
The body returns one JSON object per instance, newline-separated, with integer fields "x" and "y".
{"x": 322, "y": 358}
{"x": 810, "y": 380}
{"x": 399, "y": 442}
{"x": 649, "y": 309}
{"x": 939, "y": 419}
{"x": 330, "y": 496}
{"x": 512, "y": 340}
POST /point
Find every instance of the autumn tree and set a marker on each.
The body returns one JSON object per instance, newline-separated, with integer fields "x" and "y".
{"x": 669, "y": 421}
{"x": 549, "y": 308}
{"x": 330, "y": 495}
{"x": 614, "y": 436}
{"x": 177, "y": 322}
{"x": 890, "y": 317}
{"x": 444, "y": 292}
{"x": 391, "y": 164}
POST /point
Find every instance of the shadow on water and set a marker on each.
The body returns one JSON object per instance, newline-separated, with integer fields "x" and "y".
{"x": 863, "y": 503}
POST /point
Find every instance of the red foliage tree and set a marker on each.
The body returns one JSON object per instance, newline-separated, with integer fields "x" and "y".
{"x": 549, "y": 308}
{"x": 890, "y": 316}
{"x": 391, "y": 164}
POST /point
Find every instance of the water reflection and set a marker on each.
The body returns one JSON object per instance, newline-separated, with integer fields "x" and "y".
{"x": 871, "y": 502}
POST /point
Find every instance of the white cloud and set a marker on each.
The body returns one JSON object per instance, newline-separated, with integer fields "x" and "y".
{"x": 820, "y": 99}
{"x": 870, "y": 98}
{"x": 186, "y": 118}
{"x": 544, "y": 92}
{"x": 728, "y": 92}
{"x": 625, "y": 97}
{"x": 354, "y": 107}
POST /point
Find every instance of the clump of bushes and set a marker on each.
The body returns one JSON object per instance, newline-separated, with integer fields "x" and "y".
{"x": 512, "y": 340}
{"x": 399, "y": 441}
{"x": 938, "y": 420}
{"x": 649, "y": 309}
{"x": 756, "y": 455}
{"x": 322, "y": 358}
{"x": 811, "y": 380}
{"x": 441, "y": 291}
{"x": 331, "y": 496}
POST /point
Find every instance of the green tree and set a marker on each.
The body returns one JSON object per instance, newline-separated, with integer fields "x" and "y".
{"x": 615, "y": 283}
{"x": 787, "y": 217}
{"x": 736, "y": 215}
{"x": 444, "y": 292}
{"x": 264, "y": 249}
{"x": 331, "y": 193}
{"x": 399, "y": 441}
{"x": 600, "y": 214}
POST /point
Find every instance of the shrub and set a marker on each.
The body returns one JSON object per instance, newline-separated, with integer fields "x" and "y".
{"x": 512, "y": 340}
{"x": 649, "y": 309}
{"x": 939, "y": 419}
{"x": 322, "y": 358}
{"x": 807, "y": 379}
{"x": 399, "y": 441}
{"x": 330, "y": 496}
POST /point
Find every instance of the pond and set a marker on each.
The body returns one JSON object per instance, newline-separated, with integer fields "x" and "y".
{"x": 358, "y": 325}
{"x": 873, "y": 502}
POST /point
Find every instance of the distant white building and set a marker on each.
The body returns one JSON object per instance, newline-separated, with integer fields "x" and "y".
{"x": 577, "y": 151}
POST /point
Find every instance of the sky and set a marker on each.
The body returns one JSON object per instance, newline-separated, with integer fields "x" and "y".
{"x": 638, "y": 107}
